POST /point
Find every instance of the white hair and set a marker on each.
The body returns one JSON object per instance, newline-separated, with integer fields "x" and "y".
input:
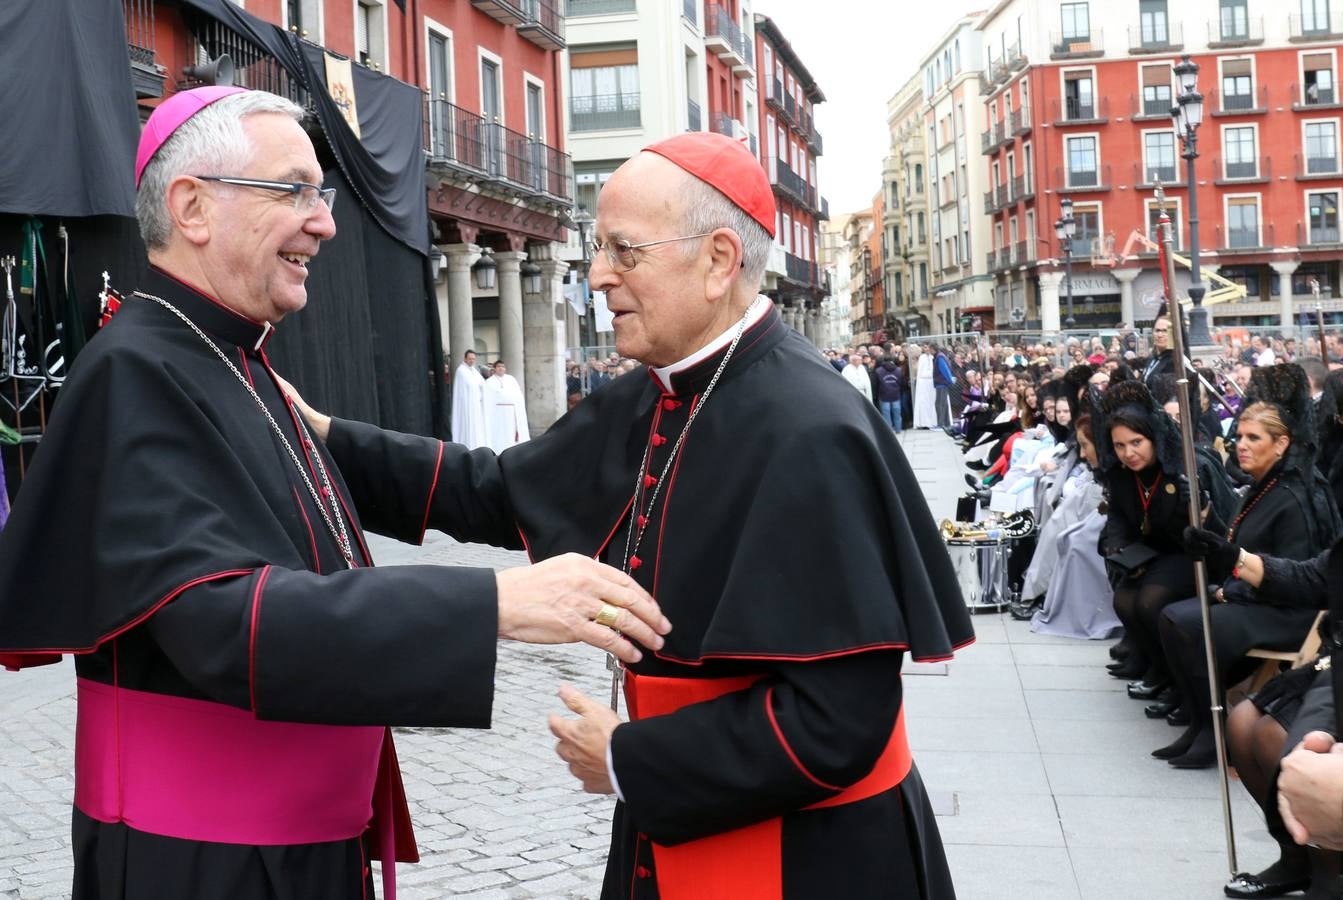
{"x": 705, "y": 209}
{"x": 212, "y": 142}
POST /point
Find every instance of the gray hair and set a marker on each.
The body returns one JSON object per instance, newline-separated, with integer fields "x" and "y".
{"x": 211, "y": 142}
{"x": 706, "y": 208}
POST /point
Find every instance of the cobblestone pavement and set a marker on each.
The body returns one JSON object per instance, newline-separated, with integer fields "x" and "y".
{"x": 1036, "y": 763}
{"x": 496, "y": 813}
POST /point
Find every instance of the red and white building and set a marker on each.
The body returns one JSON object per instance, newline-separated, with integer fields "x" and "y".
{"x": 788, "y": 150}
{"x": 1077, "y": 97}
{"x": 500, "y": 186}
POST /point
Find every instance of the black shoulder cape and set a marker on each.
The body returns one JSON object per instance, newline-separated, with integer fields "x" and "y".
{"x": 792, "y": 526}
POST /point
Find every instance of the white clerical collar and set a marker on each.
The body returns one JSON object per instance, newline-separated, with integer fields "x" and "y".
{"x": 754, "y": 314}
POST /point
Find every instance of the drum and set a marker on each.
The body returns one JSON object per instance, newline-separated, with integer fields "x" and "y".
{"x": 981, "y": 571}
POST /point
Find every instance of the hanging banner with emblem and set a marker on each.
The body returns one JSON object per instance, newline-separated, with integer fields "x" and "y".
{"x": 340, "y": 85}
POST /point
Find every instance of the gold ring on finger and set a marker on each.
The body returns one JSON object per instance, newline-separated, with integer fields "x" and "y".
{"x": 608, "y": 615}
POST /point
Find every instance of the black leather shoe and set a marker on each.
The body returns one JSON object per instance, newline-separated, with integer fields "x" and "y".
{"x": 1179, "y": 748}
{"x": 1202, "y": 753}
{"x": 1179, "y": 717}
{"x": 1146, "y": 690}
{"x": 1121, "y": 650}
{"x": 1247, "y": 885}
{"x": 1128, "y": 670}
{"x": 1160, "y": 709}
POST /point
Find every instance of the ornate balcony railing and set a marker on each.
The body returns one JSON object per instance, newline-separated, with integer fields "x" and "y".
{"x": 602, "y": 112}
{"x": 146, "y": 75}
{"x": 459, "y": 139}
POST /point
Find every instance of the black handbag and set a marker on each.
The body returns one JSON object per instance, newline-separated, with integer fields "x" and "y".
{"x": 1132, "y": 558}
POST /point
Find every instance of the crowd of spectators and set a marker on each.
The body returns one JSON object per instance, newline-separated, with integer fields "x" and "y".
{"x": 1085, "y": 435}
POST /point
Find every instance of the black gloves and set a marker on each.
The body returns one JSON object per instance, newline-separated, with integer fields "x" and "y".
{"x": 1219, "y": 553}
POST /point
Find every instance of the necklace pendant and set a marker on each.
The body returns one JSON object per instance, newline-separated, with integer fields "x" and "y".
{"x": 617, "y": 679}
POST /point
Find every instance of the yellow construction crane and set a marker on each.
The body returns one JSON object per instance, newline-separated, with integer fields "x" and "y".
{"x": 1226, "y": 291}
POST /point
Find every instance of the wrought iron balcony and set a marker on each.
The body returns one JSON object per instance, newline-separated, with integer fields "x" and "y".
{"x": 1020, "y": 121}
{"x": 789, "y": 183}
{"x": 1227, "y": 32}
{"x": 990, "y": 201}
{"x": 774, "y": 92}
{"x": 1314, "y": 97}
{"x": 1322, "y": 25}
{"x": 146, "y": 75}
{"x": 1312, "y": 167}
{"x": 604, "y": 112}
{"x": 544, "y": 25}
{"x": 1077, "y": 180}
{"x": 1022, "y": 187}
{"x": 693, "y": 121}
{"x": 800, "y": 270}
{"x": 1249, "y": 238}
{"x": 1076, "y": 46}
{"x": 507, "y": 12}
{"x": 1155, "y": 38}
{"x": 253, "y": 66}
{"x": 463, "y": 142}
{"x": 1022, "y": 253}
{"x": 1081, "y": 111}
{"x": 1223, "y": 104}
{"x": 577, "y": 8}
{"x": 723, "y": 36}
{"x": 1310, "y": 235}
{"x": 1243, "y": 171}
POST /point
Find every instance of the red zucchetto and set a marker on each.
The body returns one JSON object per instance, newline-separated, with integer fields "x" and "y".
{"x": 728, "y": 166}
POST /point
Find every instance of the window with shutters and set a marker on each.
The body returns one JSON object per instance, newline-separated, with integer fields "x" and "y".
{"x": 370, "y": 33}
{"x": 1321, "y": 142}
{"x": 1237, "y": 84}
{"x": 1318, "y": 85}
{"x": 1242, "y": 157}
{"x": 1242, "y": 222}
{"x": 1322, "y": 214}
{"x": 1156, "y": 90}
{"x": 604, "y": 90}
{"x": 1159, "y": 157}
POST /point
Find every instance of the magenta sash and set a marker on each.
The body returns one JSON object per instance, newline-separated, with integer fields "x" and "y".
{"x": 205, "y": 771}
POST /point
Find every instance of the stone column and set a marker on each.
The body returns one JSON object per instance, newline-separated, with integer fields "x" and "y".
{"x": 444, "y": 329}
{"x": 461, "y": 325}
{"x": 510, "y": 313}
{"x": 809, "y": 325}
{"x": 1049, "y": 301}
{"x": 1125, "y": 278}
{"x": 544, "y": 337}
{"x": 1286, "y": 310}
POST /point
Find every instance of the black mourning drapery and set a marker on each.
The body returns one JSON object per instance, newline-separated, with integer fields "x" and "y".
{"x": 368, "y": 345}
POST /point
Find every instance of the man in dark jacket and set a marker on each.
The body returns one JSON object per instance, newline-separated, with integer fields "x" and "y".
{"x": 890, "y": 384}
{"x": 943, "y": 379}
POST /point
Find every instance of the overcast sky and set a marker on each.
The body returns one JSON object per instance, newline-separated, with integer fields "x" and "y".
{"x": 860, "y": 52}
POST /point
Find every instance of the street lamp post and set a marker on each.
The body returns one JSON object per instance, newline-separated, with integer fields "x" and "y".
{"x": 584, "y": 221}
{"x": 1065, "y": 228}
{"x": 1188, "y": 116}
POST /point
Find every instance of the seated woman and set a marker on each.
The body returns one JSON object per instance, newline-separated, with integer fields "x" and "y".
{"x": 1287, "y": 514}
{"x": 1148, "y": 499}
{"x": 1268, "y": 725}
{"x": 1066, "y": 567}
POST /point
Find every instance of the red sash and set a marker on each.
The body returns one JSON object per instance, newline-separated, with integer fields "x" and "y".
{"x": 747, "y": 863}
{"x": 205, "y": 771}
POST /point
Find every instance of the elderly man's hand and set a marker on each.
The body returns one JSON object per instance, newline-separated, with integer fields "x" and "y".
{"x": 1310, "y": 792}
{"x": 319, "y": 423}
{"x": 583, "y": 741}
{"x": 557, "y": 601}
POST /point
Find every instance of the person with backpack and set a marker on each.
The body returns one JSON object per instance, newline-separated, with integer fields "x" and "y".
{"x": 890, "y": 387}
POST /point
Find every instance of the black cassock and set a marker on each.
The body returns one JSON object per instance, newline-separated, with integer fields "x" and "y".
{"x": 166, "y": 537}
{"x": 793, "y": 551}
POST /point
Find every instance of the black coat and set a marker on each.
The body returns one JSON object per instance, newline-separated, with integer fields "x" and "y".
{"x": 740, "y": 550}
{"x": 165, "y": 536}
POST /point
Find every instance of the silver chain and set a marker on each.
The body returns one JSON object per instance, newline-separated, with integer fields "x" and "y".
{"x": 676, "y": 447}
{"x": 337, "y": 528}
